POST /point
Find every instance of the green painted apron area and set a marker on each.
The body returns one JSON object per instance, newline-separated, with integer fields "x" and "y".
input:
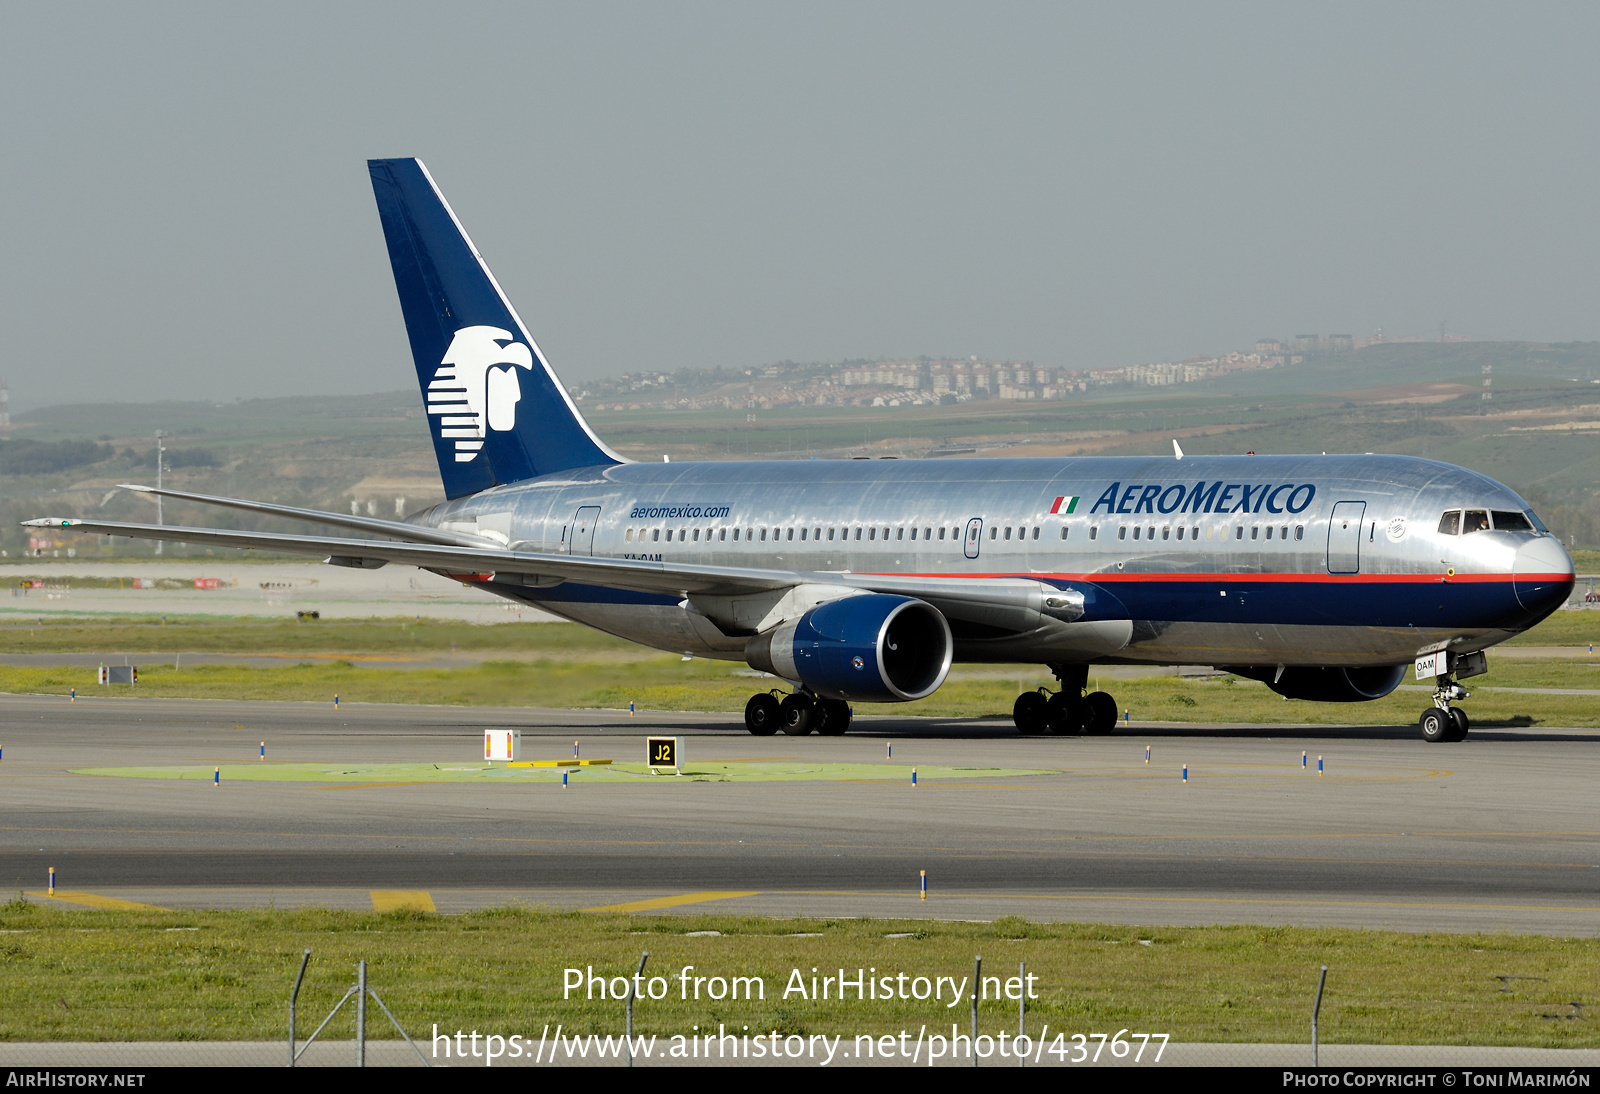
{"x": 710, "y": 771}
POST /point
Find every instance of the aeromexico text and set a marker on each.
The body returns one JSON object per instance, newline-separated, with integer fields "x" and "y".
{"x": 678, "y": 512}
{"x": 1202, "y": 497}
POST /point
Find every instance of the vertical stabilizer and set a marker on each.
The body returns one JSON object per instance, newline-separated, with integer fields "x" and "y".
{"x": 495, "y": 408}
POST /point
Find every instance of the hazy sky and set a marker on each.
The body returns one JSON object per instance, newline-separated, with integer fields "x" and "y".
{"x": 185, "y": 211}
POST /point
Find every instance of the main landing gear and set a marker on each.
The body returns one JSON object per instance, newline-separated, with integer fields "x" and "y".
{"x": 1443, "y": 722}
{"x": 1067, "y": 711}
{"x": 796, "y": 714}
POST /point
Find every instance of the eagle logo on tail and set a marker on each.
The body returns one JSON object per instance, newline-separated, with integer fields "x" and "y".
{"x": 476, "y": 388}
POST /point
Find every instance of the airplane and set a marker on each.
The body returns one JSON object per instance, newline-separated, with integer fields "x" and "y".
{"x": 864, "y": 580}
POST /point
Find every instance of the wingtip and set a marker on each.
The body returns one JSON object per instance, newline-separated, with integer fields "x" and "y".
{"x": 49, "y": 522}
{"x": 1177, "y": 452}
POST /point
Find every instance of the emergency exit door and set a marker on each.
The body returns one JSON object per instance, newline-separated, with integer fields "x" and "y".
{"x": 1344, "y": 537}
{"x": 974, "y": 539}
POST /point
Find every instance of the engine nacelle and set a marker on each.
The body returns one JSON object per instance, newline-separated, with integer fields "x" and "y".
{"x": 1335, "y": 684}
{"x": 872, "y": 648}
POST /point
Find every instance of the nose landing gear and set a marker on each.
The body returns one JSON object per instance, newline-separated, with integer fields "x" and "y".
{"x": 1067, "y": 711}
{"x": 1442, "y": 722}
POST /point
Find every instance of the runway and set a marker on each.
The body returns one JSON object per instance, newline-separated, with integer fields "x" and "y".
{"x": 1497, "y": 833}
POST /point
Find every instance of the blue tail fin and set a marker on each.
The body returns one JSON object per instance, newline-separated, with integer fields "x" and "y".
{"x": 498, "y": 413}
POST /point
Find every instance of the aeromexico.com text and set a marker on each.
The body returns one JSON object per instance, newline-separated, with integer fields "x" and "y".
{"x": 1202, "y": 497}
{"x": 678, "y": 512}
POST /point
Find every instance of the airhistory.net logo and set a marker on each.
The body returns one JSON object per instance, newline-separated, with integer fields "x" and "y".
{"x": 471, "y": 393}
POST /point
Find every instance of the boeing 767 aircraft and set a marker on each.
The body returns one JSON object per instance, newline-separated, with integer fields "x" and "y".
{"x": 1328, "y": 578}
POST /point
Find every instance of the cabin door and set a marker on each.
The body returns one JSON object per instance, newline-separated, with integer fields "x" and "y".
{"x": 1344, "y": 537}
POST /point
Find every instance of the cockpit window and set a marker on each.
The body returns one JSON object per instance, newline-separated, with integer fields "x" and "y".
{"x": 1476, "y": 521}
{"x": 1511, "y": 521}
{"x": 1450, "y": 523}
{"x": 1537, "y": 523}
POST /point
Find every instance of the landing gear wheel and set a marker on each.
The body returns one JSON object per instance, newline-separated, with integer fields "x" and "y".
{"x": 1459, "y": 716}
{"x": 834, "y": 715}
{"x": 1436, "y": 725}
{"x": 796, "y": 715}
{"x": 1031, "y": 712}
{"x": 761, "y": 715}
{"x": 1066, "y": 715}
{"x": 1101, "y": 714}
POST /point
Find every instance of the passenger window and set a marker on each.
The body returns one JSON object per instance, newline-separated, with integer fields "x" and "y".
{"x": 1299, "y": 531}
{"x": 736, "y": 535}
{"x": 858, "y": 535}
{"x": 802, "y": 535}
{"x": 1063, "y": 531}
{"x": 1094, "y": 531}
{"x": 1450, "y": 523}
{"x": 1166, "y": 533}
{"x": 790, "y": 535}
{"x": 899, "y": 533}
{"x": 1474, "y": 520}
{"x": 1507, "y": 521}
{"x": 1122, "y": 532}
{"x": 655, "y": 535}
{"x": 1036, "y": 533}
{"x": 994, "y": 533}
{"x": 816, "y": 533}
{"x": 941, "y": 533}
{"x": 697, "y": 535}
{"x": 763, "y": 535}
{"x": 830, "y": 535}
{"x": 1180, "y": 533}
{"x": 1255, "y": 533}
{"x": 629, "y": 537}
{"x": 913, "y": 533}
{"x": 1151, "y": 532}
{"x": 1136, "y": 532}
{"x": 1238, "y": 533}
{"x": 1008, "y": 531}
{"x": 1269, "y": 531}
{"x": 927, "y": 533}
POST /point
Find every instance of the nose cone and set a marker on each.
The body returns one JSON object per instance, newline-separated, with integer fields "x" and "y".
{"x": 1542, "y": 575}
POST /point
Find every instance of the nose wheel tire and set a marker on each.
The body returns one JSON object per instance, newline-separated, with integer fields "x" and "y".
{"x": 796, "y": 715}
{"x": 761, "y": 715}
{"x": 1031, "y": 713}
{"x": 1436, "y": 725}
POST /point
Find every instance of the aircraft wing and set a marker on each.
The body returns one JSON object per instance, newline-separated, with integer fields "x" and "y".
{"x": 983, "y": 599}
{"x": 528, "y": 566}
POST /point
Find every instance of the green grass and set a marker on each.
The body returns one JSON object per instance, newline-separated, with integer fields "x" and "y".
{"x": 149, "y": 634}
{"x": 662, "y": 682}
{"x": 136, "y": 976}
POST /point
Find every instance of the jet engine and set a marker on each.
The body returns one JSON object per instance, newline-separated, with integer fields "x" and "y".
{"x": 873, "y": 648}
{"x": 1336, "y": 684}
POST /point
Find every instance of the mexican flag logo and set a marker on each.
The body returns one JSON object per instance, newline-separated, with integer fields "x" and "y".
{"x": 1064, "y": 506}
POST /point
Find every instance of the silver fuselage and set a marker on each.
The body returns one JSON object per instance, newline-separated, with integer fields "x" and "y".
{"x": 1294, "y": 560}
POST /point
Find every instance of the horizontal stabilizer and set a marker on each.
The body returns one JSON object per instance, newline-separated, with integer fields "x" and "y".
{"x": 415, "y": 533}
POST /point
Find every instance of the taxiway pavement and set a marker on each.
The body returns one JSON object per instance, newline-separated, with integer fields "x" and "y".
{"x": 1498, "y": 833}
